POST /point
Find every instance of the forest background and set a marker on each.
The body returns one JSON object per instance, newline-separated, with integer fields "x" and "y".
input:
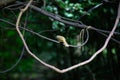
{"x": 17, "y": 64}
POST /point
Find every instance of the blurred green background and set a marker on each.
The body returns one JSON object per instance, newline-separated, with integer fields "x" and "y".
{"x": 106, "y": 66}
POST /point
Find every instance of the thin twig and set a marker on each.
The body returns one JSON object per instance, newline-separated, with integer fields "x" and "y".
{"x": 82, "y": 44}
{"x": 39, "y": 33}
{"x": 9, "y": 69}
{"x": 90, "y": 10}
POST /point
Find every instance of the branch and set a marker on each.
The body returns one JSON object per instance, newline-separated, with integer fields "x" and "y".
{"x": 71, "y": 22}
{"x": 74, "y": 66}
{"x": 14, "y": 65}
{"x": 49, "y": 39}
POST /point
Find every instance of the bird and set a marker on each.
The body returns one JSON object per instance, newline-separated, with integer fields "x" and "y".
{"x": 62, "y": 39}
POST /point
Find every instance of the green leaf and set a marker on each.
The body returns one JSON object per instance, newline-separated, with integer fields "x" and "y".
{"x": 68, "y": 14}
{"x": 10, "y": 33}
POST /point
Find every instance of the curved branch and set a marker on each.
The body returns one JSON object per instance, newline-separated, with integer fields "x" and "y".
{"x": 74, "y": 66}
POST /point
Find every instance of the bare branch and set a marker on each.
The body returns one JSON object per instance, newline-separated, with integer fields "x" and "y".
{"x": 71, "y": 22}
{"x": 74, "y": 66}
{"x": 55, "y": 41}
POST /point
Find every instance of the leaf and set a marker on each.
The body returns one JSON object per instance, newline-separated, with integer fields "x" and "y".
{"x": 10, "y": 33}
{"x": 68, "y": 14}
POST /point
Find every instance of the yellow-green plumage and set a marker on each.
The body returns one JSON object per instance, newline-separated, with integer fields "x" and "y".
{"x": 63, "y": 40}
